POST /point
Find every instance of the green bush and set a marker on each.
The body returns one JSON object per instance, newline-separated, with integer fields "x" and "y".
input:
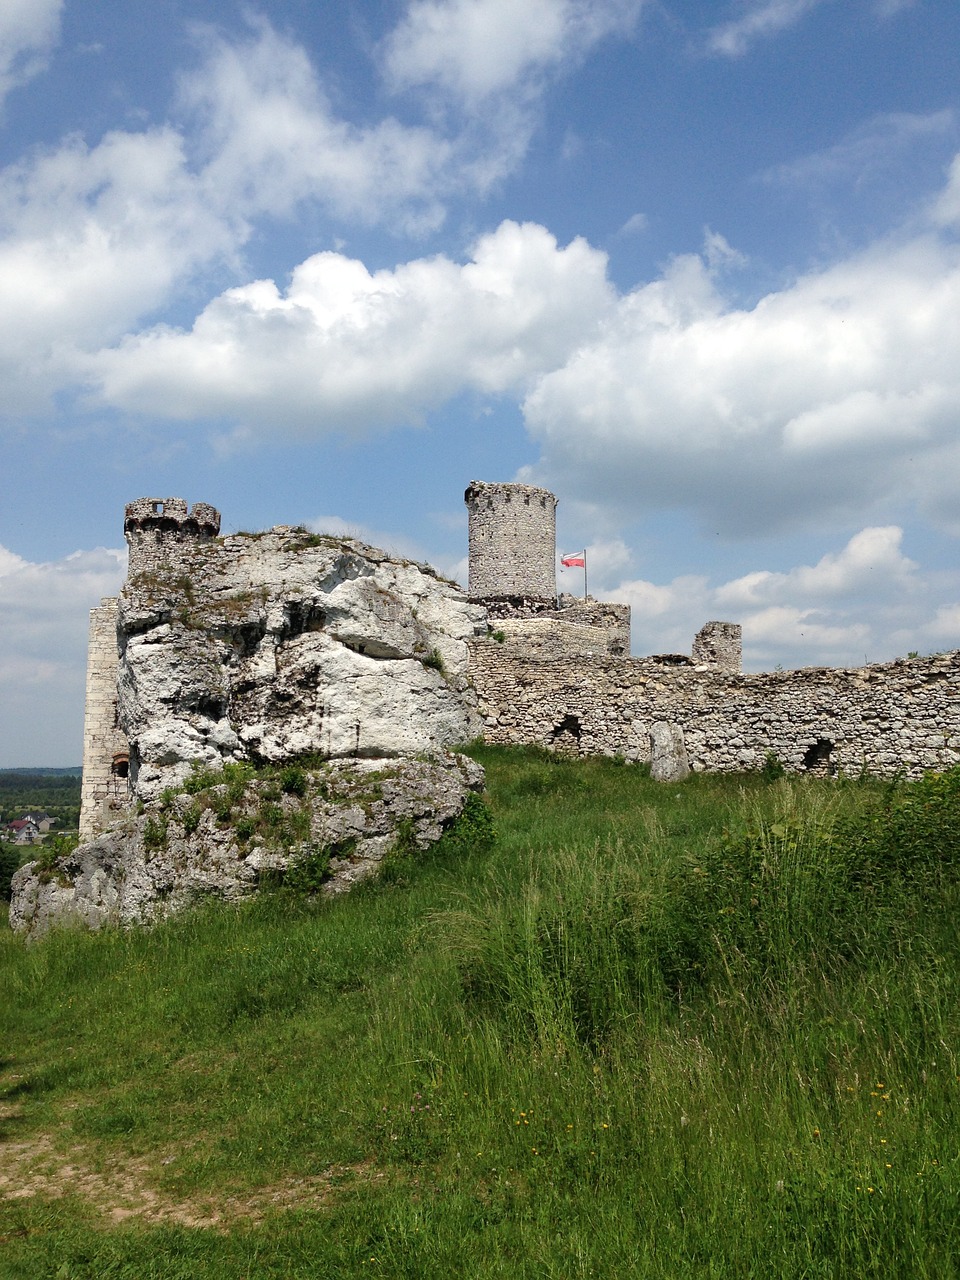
{"x": 155, "y": 833}
{"x": 772, "y": 769}
{"x": 244, "y": 828}
{"x": 191, "y": 819}
{"x": 434, "y": 660}
{"x": 293, "y": 780}
{"x": 9, "y": 862}
{"x": 309, "y": 873}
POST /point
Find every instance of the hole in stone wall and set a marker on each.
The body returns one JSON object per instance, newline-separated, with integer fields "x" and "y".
{"x": 566, "y": 735}
{"x": 120, "y": 768}
{"x": 816, "y": 758}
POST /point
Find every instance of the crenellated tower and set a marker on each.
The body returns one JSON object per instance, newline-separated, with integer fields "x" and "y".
{"x": 513, "y": 542}
{"x": 156, "y": 528}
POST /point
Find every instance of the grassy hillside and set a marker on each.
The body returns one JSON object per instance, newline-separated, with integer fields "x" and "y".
{"x": 699, "y": 1030}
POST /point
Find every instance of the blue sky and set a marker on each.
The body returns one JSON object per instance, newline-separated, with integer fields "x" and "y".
{"x": 694, "y": 266}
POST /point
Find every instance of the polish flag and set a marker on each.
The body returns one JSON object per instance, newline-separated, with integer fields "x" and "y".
{"x": 577, "y": 561}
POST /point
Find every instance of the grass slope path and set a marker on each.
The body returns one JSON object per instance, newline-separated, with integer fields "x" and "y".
{"x": 49, "y": 1167}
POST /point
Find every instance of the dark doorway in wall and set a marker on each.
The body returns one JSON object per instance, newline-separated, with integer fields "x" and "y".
{"x": 565, "y": 736}
{"x": 816, "y": 758}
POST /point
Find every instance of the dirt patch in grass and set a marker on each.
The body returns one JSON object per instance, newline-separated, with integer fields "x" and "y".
{"x": 128, "y": 1190}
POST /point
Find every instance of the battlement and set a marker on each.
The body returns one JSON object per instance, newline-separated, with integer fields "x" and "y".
{"x": 156, "y": 528}
{"x": 171, "y": 515}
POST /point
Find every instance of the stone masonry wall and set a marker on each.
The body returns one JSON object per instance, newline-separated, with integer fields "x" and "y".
{"x": 105, "y": 784}
{"x": 513, "y": 541}
{"x": 158, "y": 529}
{"x": 887, "y": 718}
{"x": 719, "y": 645}
{"x": 557, "y": 634}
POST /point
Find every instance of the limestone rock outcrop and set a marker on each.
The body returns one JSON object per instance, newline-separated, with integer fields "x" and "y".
{"x": 287, "y": 704}
{"x": 324, "y": 828}
{"x": 265, "y": 647}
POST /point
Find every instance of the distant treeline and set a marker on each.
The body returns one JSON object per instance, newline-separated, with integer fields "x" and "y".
{"x": 39, "y": 777}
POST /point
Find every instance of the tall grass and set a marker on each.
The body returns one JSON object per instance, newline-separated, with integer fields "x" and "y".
{"x": 701, "y": 1030}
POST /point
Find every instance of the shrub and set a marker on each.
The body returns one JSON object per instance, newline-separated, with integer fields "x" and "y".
{"x": 191, "y": 819}
{"x": 772, "y": 770}
{"x": 244, "y": 828}
{"x": 155, "y": 833}
{"x": 308, "y": 874}
{"x": 293, "y": 780}
{"x": 434, "y": 660}
{"x": 9, "y": 862}
{"x": 473, "y": 829}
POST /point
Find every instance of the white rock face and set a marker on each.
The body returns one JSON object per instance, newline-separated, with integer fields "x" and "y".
{"x": 254, "y": 650}
{"x": 340, "y": 823}
{"x": 269, "y": 646}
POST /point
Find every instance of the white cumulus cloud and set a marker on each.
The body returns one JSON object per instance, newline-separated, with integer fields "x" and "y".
{"x": 828, "y": 398}
{"x": 266, "y": 137}
{"x": 474, "y": 49}
{"x": 91, "y": 238}
{"x": 872, "y": 564}
{"x": 344, "y": 347}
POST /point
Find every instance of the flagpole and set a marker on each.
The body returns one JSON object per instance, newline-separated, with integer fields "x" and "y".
{"x": 584, "y": 573}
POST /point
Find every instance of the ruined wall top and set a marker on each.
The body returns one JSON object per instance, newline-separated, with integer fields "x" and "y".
{"x": 513, "y": 541}
{"x": 171, "y": 515}
{"x": 718, "y": 646}
{"x": 157, "y": 529}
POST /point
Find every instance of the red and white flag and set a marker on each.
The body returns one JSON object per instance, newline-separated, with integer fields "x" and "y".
{"x": 577, "y": 561}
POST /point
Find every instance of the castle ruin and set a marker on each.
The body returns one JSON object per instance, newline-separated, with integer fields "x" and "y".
{"x": 524, "y": 665}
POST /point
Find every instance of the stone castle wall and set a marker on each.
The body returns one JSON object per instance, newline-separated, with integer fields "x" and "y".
{"x": 583, "y": 630}
{"x": 889, "y": 718}
{"x": 512, "y": 531}
{"x": 105, "y": 785}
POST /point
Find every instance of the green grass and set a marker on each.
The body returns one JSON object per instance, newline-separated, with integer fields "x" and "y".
{"x": 699, "y": 1030}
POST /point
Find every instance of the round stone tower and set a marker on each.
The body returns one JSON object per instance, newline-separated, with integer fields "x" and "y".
{"x": 513, "y": 542}
{"x": 155, "y": 528}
